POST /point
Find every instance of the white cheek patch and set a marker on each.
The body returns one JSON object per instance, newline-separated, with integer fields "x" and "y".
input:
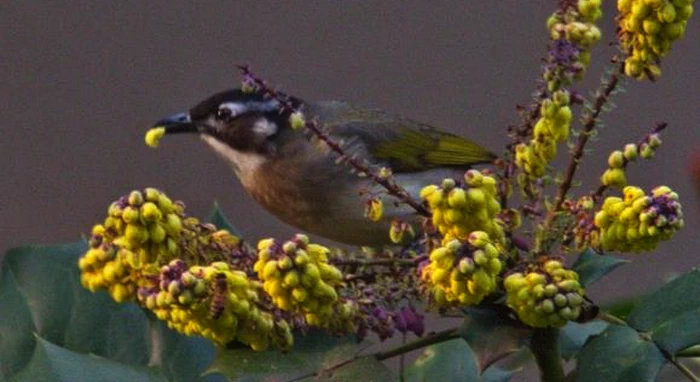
{"x": 264, "y": 127}
{"x": 244, "y": 164}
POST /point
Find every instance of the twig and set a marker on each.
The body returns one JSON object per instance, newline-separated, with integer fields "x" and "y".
{"x": 358, "y": 165}
{"x": 518, "y": 135}
{"x": 589, "y": 123}
{"x": 379, "y": 262}
{"x": 607, "y": 317}
{"x": 660, "y": 126}
{"x": 684, "y": 369}
{"x": 430, "y": 339}
{"x": 545, "y": 348}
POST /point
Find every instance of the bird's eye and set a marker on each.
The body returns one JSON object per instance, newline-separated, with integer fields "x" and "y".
{"x": 224, "y": 114}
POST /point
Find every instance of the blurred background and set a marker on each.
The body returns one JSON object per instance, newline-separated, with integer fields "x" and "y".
{"x": 80, "y": 82}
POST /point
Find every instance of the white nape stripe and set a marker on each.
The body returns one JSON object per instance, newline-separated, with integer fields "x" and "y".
{"x": 265, "y": 127}
{"x": 238, "y": 108}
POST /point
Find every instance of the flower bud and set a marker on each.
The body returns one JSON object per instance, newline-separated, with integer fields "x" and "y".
{"x": 616, "y": 159}
{"x": 297, "y": 120}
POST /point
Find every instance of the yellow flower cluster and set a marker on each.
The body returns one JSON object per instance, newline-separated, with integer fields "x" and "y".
{"x": 648, "y": 29}
{"x": 140, "y": 231}
{"x": 638, "y": 222}
{"x": 462, "y": 275}
{"x": 552, "y": 127}
{"x": 458, "y": 211}
{"x": 546, "y": 296}
{"x": 615, "y": 175}
{"x": 215, "y": 302}
{"x": 577, "y": 25}
{"x": 298, "y": 277}
{"x": 138, "y": 253}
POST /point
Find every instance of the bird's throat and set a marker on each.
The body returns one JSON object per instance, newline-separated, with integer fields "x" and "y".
{"x": 244, "y": 164}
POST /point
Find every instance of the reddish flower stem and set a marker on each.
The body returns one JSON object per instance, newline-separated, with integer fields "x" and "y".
{"x": 589, "y": 124}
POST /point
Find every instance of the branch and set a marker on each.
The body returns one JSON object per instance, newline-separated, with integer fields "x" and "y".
{"x": 684, "y": 369}
{"x": 660, "y": 126}
{"x": 358, "y": 165}
{"x": 430, "y": 339}
{"x": 379, "y": 262}
{"x": 609, "y": 318}
{"x": 519, "y": 134}
{"x": 589, "y": 123}
{"x": 545, "y": 347}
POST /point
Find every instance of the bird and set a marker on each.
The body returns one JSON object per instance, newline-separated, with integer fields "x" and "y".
{"x": 298, "y": 178}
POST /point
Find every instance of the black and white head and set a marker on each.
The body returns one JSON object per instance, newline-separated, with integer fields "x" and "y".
{"x": 243, "y": 127}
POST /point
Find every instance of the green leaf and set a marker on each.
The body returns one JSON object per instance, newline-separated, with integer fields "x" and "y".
{"x": 491, "y": 336}
{"x": 672, "y": 313}
{"x": 217, "y": 217}
{"x": 15, "y": 342}
{"x": 317, "y": 350}
{"x": 619, "y": 354}
{"x": 508, "y": 367}
{"x": 40, "y": 293}
{"x": 448, "y": 361}
{"x": 591, "y": 266}
{"x": 496, "y": 374}
{"x": 54, "y": 363}
{"x": 622, "y": 308}
{"x": 574, "y": 336}
{"x": 365, "y": 369}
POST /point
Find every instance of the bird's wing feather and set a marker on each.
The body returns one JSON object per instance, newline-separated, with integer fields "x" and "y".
{"x": 403, "y": 144}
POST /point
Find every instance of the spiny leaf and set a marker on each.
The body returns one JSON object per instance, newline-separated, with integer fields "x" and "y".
{"x": 573, "y": 336}
{"x": 40, "y": 288}
{"x": 671, "y": 314}
{"x": 50, "y": 362}
{"x": 619, "y": 354}
{"x": 491, "y": 336}
{"x": 449, "y": 361}
{"x": 591, "y": 266}
{"x": 15, "y": 342}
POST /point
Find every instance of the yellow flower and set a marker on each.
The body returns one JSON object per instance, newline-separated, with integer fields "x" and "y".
{"x": 638, "y": 222}
{"x": 154, "y": 135}
{"x": 546, "y": 295}
{"x": 463, "y": 274}
{"x": 375, "y": 209}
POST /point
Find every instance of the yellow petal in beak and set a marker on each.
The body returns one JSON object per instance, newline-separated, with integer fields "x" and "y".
{"x": 154, "y": 135}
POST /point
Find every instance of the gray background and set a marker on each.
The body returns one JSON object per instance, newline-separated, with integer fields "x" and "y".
{"x": 80, "y": 82}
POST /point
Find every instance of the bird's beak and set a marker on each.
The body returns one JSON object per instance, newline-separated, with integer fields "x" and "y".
{"x": 181, "y": 123}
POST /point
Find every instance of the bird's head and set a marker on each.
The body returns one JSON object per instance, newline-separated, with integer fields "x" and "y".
{"x": 244, "y": 127}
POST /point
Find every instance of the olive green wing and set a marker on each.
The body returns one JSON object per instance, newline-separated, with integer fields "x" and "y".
{"x": 403, "y": 144}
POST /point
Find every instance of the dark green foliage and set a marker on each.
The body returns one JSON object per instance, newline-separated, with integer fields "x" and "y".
{"x": 41, "y": 297}
{"x": 671, "y": 315}
{"x": 591, "y": 266}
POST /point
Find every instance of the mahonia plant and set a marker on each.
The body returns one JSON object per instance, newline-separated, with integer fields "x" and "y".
{"x": 473, "y": 249}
